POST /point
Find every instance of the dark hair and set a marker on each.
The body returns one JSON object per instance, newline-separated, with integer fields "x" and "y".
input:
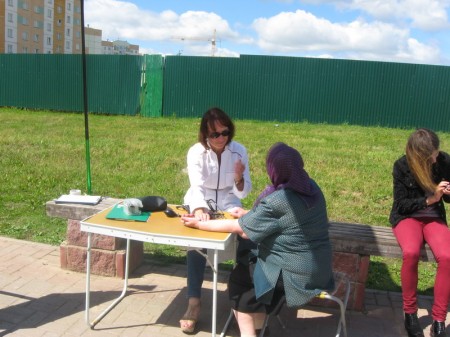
{"x": 419, "y": 150}
{"x": 209, "y": 118}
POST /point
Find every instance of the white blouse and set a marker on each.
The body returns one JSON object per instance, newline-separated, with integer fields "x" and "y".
{"x": 209, "y": 181}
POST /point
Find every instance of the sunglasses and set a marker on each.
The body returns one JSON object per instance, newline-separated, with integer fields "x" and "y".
{"x": 224, "y": 133}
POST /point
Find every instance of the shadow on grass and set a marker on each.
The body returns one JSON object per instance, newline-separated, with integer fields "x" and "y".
{"x": 384, "y": 274}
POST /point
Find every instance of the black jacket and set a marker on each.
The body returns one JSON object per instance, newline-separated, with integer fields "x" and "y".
{"x": 409, "y": 197}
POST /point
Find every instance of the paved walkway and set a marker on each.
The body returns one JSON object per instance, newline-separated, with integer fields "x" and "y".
{"x": 38, "y": 298}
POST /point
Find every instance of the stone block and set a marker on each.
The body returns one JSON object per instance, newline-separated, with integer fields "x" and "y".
{"x": 356, "y": 268}
{"x": 103, "y": 262}
{"x": 77, "y": 238}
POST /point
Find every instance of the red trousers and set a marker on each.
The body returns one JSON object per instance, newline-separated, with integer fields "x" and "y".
{"x": 410, "y": 234}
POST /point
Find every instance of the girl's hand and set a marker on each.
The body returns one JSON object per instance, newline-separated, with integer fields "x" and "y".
{"x": 446, "y": 187}
{"x": 442, "y": 188}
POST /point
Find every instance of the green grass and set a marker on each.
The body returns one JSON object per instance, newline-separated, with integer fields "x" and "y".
{"x": 43, "y": 156}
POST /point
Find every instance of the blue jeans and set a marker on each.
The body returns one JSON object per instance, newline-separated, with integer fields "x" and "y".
{"x": 195, "y": 272}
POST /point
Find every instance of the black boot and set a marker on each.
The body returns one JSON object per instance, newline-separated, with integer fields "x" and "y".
{"x": 437, "y": 329}
{"x": 412, "y": 325}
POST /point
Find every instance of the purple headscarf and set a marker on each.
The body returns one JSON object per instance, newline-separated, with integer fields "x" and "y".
{"x": 285, "y": 168}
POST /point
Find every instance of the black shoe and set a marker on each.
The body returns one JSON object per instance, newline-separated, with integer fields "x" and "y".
{"x": 412, "y": 325}
{"x": 437, "y": 329}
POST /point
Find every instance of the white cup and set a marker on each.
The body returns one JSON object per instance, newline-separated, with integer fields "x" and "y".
{"x": 75, "y": 192}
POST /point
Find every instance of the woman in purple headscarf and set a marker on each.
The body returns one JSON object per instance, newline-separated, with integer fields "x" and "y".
{"x": 289, "y": 225}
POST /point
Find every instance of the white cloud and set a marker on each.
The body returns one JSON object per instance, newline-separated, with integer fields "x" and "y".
{"x": 377, "y": 30}
{"x": 123, "y": 20}
{"x": 294, "y": 32}
{"x": 429, "y": 15}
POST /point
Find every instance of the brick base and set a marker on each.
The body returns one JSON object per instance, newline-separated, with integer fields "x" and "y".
{"x": 356, "y": 267}
{"x": 108, "y": 254}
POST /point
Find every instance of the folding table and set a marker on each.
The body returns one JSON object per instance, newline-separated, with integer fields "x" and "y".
{"x": 158, "y": 229}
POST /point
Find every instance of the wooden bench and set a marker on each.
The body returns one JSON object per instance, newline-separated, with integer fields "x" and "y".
{"x": 353, "y": 244}
{"x": 369, "y": 240}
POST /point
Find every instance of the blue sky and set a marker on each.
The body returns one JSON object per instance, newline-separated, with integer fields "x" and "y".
{"x": 412, "y": 31}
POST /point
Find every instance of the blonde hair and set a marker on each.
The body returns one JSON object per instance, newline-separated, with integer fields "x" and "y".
{"x": 419, "y": 153}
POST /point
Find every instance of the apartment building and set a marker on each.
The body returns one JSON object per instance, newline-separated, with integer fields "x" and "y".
{"x": 95, "y": 44}
{"x": 51, "y": 27}
{"x": 40, "y": 26}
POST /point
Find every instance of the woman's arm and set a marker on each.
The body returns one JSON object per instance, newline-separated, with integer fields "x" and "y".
{"x": 408, "y": 195}
{"x": 404, "y": 182}
{"x": 195, "y": 197}
{"x": 225, "y": 225}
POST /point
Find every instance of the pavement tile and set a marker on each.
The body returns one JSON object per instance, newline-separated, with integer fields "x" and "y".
{"x": 38, "y": 298}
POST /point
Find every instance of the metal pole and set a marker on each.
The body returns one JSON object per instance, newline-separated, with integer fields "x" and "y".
{"x": 85, "y": 103}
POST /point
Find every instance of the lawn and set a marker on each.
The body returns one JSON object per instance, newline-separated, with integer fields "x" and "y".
{"x": 43, "y": 156}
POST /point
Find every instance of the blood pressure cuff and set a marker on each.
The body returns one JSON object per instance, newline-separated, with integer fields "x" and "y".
{"x": 153, "y": 203}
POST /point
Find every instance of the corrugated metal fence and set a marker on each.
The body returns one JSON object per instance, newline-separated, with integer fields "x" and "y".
{"x": 250, "y": 87}
{"x": 306, "y": 89}
{"x": 54, "y": 82}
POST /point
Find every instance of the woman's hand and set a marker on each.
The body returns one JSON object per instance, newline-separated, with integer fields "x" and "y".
{"x": 237, "y": 212}
{"x": 201, "y": 214}
{"x": 189, "y": 220}
{"x": 239, "y": 169}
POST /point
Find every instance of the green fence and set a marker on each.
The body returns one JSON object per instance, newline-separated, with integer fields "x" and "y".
{"x": 152, "y": 86}
{"x": 250, "y": 87}
{"x": 43, "y": 81}
{"x": 305, "y": 89}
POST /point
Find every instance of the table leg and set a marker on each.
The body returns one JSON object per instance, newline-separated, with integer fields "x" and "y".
{"x": 214, "y": 304}
{"x": 88, "y": 277}
{"x": 124, "y": 290}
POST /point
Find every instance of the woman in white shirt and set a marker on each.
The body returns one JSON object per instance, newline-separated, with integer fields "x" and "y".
{"x": 219, "y": 178}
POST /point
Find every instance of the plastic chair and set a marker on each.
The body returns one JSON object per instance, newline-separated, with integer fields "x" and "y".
{"x": 341, "y": 280}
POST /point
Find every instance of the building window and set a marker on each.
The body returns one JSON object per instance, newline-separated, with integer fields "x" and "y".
{"x": 49, "y": 41}
{"x": 59, "y": 9}
{"x": 58, "y": 23}
{"x": 69, "y": 6}
{"x": 58, "y": 36}
{"x": 25, "y": 50}
{"x": 36, "y": 51}
{"x": 67, "y": 45}
{"x": 77, "y": 46}
{"x": 10, "y": 17}
{"x": 10, "y": 3}
{"x": 49, "y": 13}
{"x": 36, "y": 38}
{"x": 49, "y": 27}
{"x": 68, "y": 32}
{"x": 24, "y": 5}
{"x": 10, "y": 33}
{"x": 36, "y": 24}
{"x": 10, "y": 49}
{"x": 68, "y": 19}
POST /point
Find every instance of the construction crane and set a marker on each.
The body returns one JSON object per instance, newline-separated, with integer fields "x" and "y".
{"x": 212, "y": 40}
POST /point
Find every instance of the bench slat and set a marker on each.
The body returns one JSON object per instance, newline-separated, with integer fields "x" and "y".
{"x": 368, "y": 240}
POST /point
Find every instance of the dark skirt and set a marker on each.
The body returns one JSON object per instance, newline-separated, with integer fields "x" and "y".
{"x": 241, "y": 291}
